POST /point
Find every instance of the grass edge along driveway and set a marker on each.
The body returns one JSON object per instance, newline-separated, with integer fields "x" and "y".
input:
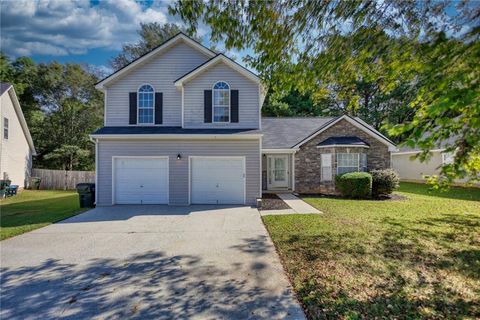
{"x": 33, "y": 209}
{"x": 412, "y": 258}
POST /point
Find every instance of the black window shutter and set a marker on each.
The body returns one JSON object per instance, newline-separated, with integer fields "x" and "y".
{"x": 234, "y": 106}
{"x": 207, "y": 103}
{"x": 133, "y": 108}
{"x": 158, "y": 107}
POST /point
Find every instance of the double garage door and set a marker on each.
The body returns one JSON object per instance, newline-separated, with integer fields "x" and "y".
{"x": 212, "y": 180}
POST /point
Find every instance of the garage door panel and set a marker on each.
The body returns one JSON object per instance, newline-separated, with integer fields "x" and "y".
{"x": 217, "y": 181}
{"x": 141, "y": 181}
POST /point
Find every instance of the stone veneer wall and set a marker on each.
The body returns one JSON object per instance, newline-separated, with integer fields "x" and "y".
{"x": 307, "y": 159}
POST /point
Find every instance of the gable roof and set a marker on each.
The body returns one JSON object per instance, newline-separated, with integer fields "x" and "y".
{"x": 6, "y": 87}
{"x": 213, "y": 61}
{"x": 291, "y": 133}
{"x": 162, "y": 47}
{"x": 284, "y": 133}
{"x": 357, "y": 122}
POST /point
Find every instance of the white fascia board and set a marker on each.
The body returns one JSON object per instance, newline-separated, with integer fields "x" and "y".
{"x": 21, "y": 118}
{"x": 161, "y": 48}
{"x": 414, "y": 152}
{"x": 176, "y": 136}
{"x": 343, "y": 146}
{"x": 391, "y": 147}
{"x": 214, "y": 61}
{"x": 279, "y": 150}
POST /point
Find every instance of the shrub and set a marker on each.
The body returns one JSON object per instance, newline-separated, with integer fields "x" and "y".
{"x": 384, "y": 182}
{"x": 354, "y": 184}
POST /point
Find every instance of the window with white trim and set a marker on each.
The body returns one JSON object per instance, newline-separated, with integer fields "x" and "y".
{"x": 350, "y": 162}
{"x": 146, "y": 104}
{"x": 5, "y": 128}
{"x": 363, "y": 162}
{"x": 221, "y": 102}
{"x": 326, "y": 167}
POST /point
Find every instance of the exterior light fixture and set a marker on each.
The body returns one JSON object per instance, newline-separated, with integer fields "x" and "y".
{"x": 179, "y": 156}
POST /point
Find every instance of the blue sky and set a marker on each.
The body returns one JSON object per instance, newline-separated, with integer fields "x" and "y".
{"x": 84, "y": 31}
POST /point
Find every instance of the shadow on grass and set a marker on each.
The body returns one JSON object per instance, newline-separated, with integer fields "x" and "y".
{"x": 395, "y": 273}
{"x": 459, "y": 193}
{"x": 149, "y": 285}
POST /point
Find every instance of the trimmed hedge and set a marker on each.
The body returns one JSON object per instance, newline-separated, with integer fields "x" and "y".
{"x": 384, "y": 182}
{"x": 354, "y": 184}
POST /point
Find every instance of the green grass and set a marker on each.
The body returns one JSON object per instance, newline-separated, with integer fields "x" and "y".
{"x": 31, "y": 210}
{"x": 407, "y": 259}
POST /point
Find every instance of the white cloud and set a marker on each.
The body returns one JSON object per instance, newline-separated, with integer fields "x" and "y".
{"x": 59, "y": 27}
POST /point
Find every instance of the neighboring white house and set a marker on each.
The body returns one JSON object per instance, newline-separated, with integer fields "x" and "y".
{"x": 16, "y": 145}
{"x": 410, "y": 168}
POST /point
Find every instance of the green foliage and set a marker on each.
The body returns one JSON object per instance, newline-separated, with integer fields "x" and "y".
{"x": 151, "y": 35}
{"x": 384, "y": 182}
{"x": 356, "y": 185}
{"x": 61, "y": 106}
{"x": 381, "y": 60}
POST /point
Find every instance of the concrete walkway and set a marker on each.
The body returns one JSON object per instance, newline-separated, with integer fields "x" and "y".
{"x": 147, "y": 262}
{"x": 297, "y": 204}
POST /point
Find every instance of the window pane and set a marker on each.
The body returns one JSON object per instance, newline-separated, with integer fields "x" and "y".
{"x": 145, "y": 104}
{"x": 221, "y": 114}
{"x": 342, "y": 170}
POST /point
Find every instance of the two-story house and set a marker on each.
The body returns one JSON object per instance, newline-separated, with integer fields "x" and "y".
{"x": 16, "y": 144}
{"x": 183, "y": 126}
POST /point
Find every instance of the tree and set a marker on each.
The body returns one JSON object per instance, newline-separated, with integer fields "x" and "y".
{"x": 72, "y": 109}
{"x": 61, "y": 106}
{"x": 151, "y": 35}
{"x": 291, "y": 40}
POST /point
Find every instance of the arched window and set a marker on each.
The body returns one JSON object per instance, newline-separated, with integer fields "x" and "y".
{"x": 146, "y": 104}
{"x": 221, "y": 102}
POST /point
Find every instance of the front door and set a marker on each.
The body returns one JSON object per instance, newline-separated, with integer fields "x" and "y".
{"x": 278, "y": 171}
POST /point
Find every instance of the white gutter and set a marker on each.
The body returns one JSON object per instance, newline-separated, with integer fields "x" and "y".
{"x": 177, "y": 136}
{"x": 279, "y": 150}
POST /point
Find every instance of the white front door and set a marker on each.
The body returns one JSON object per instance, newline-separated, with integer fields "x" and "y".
{"x": 278, "y": 171}
{"x": 217, "y": 180}
{"x": 140, "y": 180}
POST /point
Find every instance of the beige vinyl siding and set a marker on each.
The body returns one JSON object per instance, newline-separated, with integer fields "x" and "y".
{"x": 414, "y": 170}
{"x": 15, "y": 153}
{"x": 179, "y": 181}
{"x": 248, "y": 98}
{"x": 160, "y": 72}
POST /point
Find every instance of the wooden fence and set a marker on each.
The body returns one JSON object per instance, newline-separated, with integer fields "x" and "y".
{"x": 62, "y": 180}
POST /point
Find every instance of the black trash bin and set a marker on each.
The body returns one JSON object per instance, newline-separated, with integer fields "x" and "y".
{"x": 86, "y": 194}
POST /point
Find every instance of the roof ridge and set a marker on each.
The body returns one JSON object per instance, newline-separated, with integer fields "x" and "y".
{"x": 298, "y": 117}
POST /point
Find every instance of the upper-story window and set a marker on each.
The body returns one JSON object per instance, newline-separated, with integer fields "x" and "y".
{"x": 5, "y": 128}
{"x": 146, "y": 103}
{"x": 221, "y": 102}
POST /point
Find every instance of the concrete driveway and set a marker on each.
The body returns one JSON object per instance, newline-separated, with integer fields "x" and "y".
{"x": 197, "y": 262}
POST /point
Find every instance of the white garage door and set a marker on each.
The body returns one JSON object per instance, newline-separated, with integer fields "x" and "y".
{"x": 141, "y": 180}
{"x": 217, "y": 180}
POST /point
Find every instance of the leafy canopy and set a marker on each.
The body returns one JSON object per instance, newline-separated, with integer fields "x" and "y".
{"x": 370, "y": 58}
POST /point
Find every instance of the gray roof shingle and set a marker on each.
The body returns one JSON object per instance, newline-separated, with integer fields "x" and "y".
{"x": 284, "y": 133}
{"x": 169, "y": 130}
{"x": 4, "y": 87}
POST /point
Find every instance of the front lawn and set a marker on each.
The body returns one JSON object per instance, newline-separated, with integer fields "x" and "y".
{"x": 413, "y": 258}
{"x": 30, "y": 210}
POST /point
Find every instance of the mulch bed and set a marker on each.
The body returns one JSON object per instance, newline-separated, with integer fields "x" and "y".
{"x": 271, "y": 201}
